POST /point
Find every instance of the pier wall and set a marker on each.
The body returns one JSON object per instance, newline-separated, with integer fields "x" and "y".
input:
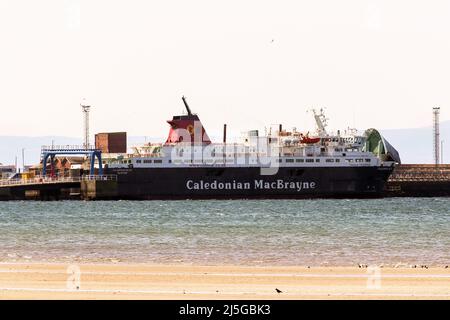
{"x": 99, "y": 190}
{"x": 419, "y": 180}
{"x": 63, "y": 191}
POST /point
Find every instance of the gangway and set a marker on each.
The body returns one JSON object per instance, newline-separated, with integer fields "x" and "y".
{"x": 52, "y": 151}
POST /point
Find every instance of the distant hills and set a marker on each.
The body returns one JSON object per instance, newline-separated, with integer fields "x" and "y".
{"x": 11, "y": 147}
{"x": 414, "y": 145}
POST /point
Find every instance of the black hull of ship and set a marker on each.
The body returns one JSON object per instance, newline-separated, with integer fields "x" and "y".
{"x": 248, "y": 183}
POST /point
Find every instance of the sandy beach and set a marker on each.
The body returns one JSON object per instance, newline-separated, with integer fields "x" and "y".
{"x": 144, "y": 281}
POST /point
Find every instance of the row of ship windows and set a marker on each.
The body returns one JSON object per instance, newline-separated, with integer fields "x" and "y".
{"x": 326, "y": 160}
{"x": 149, "y": 161}
{"x": 278, "y": 160}
{"x": 241, "y": 150}
{"x": 140, "y": 161}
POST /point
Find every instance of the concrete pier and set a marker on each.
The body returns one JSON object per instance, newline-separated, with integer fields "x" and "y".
{"x": 39, "y": 191}
{"x": 99, "y": 189}
{"x": 63, "y": 188}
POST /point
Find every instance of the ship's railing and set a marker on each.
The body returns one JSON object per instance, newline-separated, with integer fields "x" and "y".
{"x": 54, "y": 180}
{"x": 144, "y": 155}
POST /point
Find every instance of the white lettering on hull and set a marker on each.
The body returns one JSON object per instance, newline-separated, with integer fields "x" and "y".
{"x": 257, "y": 185}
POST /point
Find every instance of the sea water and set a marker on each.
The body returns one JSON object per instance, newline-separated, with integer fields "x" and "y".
{"x": 244, "y": 232}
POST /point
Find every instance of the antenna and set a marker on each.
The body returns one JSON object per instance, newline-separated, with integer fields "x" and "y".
{"x": 186, "y": 105}
{"x": 436, "y": 135}
{"x": 85, "y": 109}
{"x": 23, "y": 159}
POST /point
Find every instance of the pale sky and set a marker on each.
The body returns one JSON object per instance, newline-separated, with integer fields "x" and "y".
{"x": 249, "y": 64}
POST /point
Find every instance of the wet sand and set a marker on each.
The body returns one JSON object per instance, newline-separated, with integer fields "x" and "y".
{"x": 144, "y": 281}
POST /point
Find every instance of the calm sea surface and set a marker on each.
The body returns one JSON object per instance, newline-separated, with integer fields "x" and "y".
{"x": 270, "y": 232}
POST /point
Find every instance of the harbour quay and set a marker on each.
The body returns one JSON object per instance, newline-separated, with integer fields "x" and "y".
{"x": 419, "y": 180}
{"x": 88, "y": 187}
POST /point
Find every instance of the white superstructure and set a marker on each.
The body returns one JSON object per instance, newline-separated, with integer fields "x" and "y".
{"x": 282, "y": 148}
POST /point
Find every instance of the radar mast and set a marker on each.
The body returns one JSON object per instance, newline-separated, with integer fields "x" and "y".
{"x": 321, "y": 121}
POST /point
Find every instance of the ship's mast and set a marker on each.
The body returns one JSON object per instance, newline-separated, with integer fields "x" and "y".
{"x": 321, "y": 121}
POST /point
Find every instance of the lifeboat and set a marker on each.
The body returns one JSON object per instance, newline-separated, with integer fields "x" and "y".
{"x": 309, "y": 140}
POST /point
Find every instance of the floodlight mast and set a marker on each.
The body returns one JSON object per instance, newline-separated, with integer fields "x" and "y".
{"x": 436, "y": 135}
{"x": 85, "y": 109}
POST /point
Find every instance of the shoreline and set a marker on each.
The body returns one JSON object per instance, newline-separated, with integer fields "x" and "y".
{"x": 123, "y": 262}
{"x": 37, "y": 280}
{"x": 244, "y": 264}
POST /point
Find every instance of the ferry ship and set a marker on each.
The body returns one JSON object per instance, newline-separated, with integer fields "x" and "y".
{"x": 278, "y": 164}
